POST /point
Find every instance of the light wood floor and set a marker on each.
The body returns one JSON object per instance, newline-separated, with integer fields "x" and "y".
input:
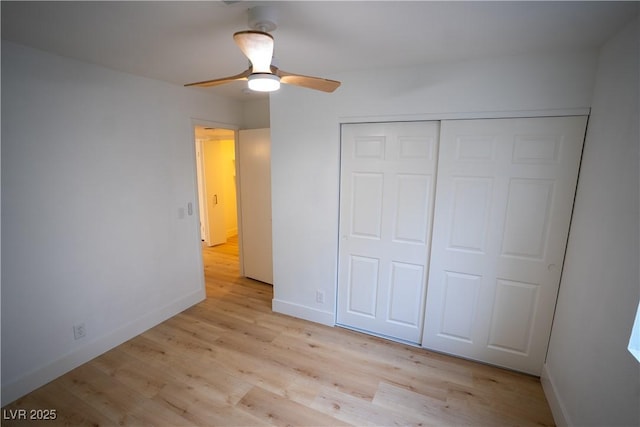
{"x": 231, "y": 361}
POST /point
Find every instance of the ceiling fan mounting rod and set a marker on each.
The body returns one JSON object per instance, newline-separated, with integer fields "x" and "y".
{"x": 262, "y": 18}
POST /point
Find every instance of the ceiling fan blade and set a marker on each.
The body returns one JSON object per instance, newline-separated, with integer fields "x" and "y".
{"x": 258, "y": 47}
{"x": 310, "y": 82}
{"x": 208, "y": 83}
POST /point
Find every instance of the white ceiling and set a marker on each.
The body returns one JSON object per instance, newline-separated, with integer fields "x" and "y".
{"x": 182, "y": 42}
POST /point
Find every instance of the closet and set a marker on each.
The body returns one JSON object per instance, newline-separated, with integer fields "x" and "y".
{"x": 452, "y": 233}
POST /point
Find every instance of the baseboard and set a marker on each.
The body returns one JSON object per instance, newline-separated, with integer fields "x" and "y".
{"x": 558, "y": 410}
{"x": 41, "y": 376}
{"x": 303, "y": 312}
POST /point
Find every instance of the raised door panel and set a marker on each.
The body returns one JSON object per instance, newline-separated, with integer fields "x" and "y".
{"x": 459, "y": 301}
{"x": 406, "y": 294}
{"x": 470, "y": 214}
{"x": 366, "y": 199}
{"x": 515, "y": 306}
{"x": 526, "y": 227}
{"x": 412, "y": 208}
{"x": 363, "y": 286}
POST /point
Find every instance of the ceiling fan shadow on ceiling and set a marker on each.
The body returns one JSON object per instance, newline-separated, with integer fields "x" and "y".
{"x": 262, "y": 75}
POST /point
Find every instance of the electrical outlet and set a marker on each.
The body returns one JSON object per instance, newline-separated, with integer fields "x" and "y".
{"x": 79, "y": 331}
{"x": 320, "y": 296}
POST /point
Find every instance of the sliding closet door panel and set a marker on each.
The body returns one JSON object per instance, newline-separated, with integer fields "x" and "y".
{"x": 505, "y": 192}
{"x": 386, "y": 205}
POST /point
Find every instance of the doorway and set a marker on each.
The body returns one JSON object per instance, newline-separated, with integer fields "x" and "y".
{"x": 234, "y": 194}
{"x": 217, "y": 189}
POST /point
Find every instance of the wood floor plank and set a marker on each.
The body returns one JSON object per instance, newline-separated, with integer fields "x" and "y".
{"x": 352, "y": 378}
{"x": 269, "y": 374}
{"x": 133, "y": 373}
{"x": 205, "y": 331}
{"x": 70, "y": 410}
{"x": 201, "y": 412}
{"x": 281, "y": 411}
{"x": 179, "y": 341}
{"x": 117, "y": 402}
{"x": 231, "y": 361}
{"x": 241, "y": 327}
{"x": 361, "y": 412}
{"x": 432, "y": 411}
{"x": 201, "y": 371}
{"x": 363, "y": 364}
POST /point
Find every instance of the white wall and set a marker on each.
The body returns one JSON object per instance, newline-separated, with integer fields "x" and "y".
{"x": 97, "y": 170}
{"x": 590, "y": 377}
{"x": 305, "y": 134}
{"x": 256, "y": 113}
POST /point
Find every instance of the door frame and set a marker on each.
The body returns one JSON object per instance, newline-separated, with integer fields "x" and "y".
{"x": 199, "y": 164}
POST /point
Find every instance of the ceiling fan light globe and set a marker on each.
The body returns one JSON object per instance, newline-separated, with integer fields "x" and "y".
{"x": 263, "y": 82}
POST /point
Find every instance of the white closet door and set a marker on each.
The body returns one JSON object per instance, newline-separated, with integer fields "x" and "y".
{"x": 386, "y": 192}
{"x": 254, "y": 169}
{"x": 504, "y": 199}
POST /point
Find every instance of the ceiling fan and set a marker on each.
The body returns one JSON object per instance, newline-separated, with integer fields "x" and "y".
{"x": 262, "y": 75}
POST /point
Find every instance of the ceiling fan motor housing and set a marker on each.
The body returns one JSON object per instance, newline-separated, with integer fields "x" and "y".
{"x": 263, "y": 74}
{"x": 262, "y": 18}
